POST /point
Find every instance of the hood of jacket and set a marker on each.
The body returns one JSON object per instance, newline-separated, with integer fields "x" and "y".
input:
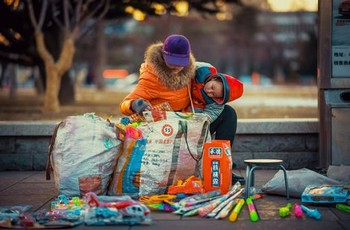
{"x": 233, "y": 89}
{"x": 155, "y": 63}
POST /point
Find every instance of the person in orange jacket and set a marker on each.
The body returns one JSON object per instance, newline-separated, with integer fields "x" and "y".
{"x": 165, "y": 76}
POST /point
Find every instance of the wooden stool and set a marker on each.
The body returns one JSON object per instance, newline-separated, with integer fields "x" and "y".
{"x": 253, "y": 164}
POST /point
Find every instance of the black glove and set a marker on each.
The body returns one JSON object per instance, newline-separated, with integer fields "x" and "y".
{"x": 140, "y": 105}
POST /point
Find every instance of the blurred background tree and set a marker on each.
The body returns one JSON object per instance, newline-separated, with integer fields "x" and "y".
{"x": 240, "y": 37}
{"x": 55, "y": 26}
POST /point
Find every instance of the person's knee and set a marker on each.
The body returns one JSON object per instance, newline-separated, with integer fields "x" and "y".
{"x": 230, "y": 114}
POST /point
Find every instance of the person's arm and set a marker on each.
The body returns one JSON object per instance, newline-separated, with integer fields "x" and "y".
{"x": 141, "y": 91}
{"x": 213, "y": 110}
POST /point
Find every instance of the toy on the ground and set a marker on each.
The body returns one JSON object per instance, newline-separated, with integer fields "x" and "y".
{"x": 160, "y": 202}
{"x": 253, "y": 214}
{"x": 190, "y": 205}
{"x": 313, "y": 213}
{"x": 91, "y": 199}
{"x": 235, "y": 212}
{"x": 198, "y": 198}
{"x": 257, "y": 196}
{"x": 210, "y": 204}
{"x": 204, "y": 211}
{"x": 216, "y": 211}
{"x": 191, "y": 210}
{"x": 285, "y": 211}
{"x": 325, "y": 194}
{"x": 225, "y": 211}
{"x": 297, "y": 211}
{"x": 26, "y": 220}
{"x": 119, "y": 212}
{"x": 191, "y": 185}
{"x": 343, "y": 207}
{"x": 194, "y": 209}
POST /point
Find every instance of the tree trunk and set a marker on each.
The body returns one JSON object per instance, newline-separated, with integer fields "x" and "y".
{"x": 13, "y": 81}
{"x": 51, "y": 102}
{"x": 40, "y": 81}
{"x": 54, "y": 70}
{"x": 100, "y": 57}
{"x": 66, "y": 92}
{"x": 3, "y": 71}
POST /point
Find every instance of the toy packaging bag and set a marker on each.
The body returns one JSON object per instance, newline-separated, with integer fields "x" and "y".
{"x": 217, "y": 166}
{"x": 169, "y": 150}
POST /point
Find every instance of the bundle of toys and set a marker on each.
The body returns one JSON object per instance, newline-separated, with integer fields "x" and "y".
{"x": 69, "y": 212}
{"x": 218, "y": 205}
{"x": 93, "y": 210}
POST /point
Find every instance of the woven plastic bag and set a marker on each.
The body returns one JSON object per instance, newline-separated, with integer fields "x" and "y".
{"x": 82, "y": 155}
{"x": 170, "y": 150}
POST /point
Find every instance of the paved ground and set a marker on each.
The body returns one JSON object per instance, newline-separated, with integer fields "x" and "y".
{"x": 30, "y": 187}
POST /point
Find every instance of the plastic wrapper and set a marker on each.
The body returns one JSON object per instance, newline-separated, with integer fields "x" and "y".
{"x": 133, "y": 214}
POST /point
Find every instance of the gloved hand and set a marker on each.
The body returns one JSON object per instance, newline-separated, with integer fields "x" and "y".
{"x": 140, "y": 105}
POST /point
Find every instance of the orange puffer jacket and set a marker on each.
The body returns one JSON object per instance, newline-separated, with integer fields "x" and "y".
{"x": 157, "y": 84}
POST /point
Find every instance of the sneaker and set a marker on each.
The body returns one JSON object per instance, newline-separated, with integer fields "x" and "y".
{"x": 236, "y": 178}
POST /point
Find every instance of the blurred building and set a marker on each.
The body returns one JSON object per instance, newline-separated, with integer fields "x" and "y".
{"x": 290, "y": 40}
{"x": 280, "y": 46}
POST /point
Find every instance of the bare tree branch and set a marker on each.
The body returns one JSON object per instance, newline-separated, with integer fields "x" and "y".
{"x": 81, "y": 20}
{"x": 65, "y": 14}
{"x": 85, "y": 17}
{"x": 42, "y": 14}
{"x": 32, "y": 16}
{"x": 77, "y": 12}
{"x": 54, "y": 16}
{"x": 105, "y": 10}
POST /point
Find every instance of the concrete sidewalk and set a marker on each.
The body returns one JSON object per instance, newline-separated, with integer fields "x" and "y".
{"x": 31, "y": 188}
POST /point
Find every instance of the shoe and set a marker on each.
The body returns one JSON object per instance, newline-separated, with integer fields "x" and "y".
{"x": 236, "y": 178}
{"x": 234, "y": 165}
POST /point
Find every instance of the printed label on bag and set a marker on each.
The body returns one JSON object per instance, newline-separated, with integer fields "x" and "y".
{"x": 90, "y": 184}
{"x": 228, "y": 152}
{"x": 215, "y": 173}
{"x": 167, "y": 130}
{"x": 215, "y": 152}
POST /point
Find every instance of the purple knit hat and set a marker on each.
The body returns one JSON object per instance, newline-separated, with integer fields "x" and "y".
{"x": 176, "y": 50}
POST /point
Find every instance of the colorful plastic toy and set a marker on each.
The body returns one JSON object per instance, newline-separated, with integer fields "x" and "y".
{"x": 235, "y": 212}
{"x": 313, "y": 213}
{"x": 192, "y": 185}
{"x": 253, "y": 214}
{"x": 297, "y": 211}
{"x": 285, "y": 211}
{"x": 343, "y": 207}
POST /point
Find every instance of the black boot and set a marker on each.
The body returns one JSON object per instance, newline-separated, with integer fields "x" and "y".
{"x": 234, "y": 165}
{"x": 236, "y": 178}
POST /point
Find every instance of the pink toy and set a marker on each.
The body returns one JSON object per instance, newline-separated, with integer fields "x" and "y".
{"x": 91, "y": 199}
{"x": 297, "y": 211}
